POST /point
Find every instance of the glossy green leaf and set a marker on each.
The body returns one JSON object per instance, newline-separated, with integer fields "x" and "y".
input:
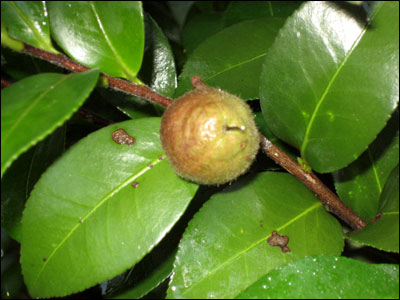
{"x": 232, "y": 58}
{"x": 224, "y": 248}
{"x": 327, "y": 277}
{"x": 384, "y": 233}
{"x": 238, "y": 11}
{"x": 100, "y": 34}
{"x": 158, "y": 72}
{"x": 19, "y": 179}
{"x": 28, "y": 21}
{"x": 330, "y": 81}
{"x": 33, "y": 107}
{"x": 99, "y": 209}
{"x": 360, "y": 184}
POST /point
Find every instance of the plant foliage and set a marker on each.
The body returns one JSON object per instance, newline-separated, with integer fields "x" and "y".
{"x": 88, "y": 208}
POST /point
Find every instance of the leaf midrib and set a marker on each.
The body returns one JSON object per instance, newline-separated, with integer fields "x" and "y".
{"x": 238, "y": 64}
{"x": 33, "y": 104}
{"x": 235, "y": 66}
{"x": 107, "y": 39}
{"x": 374, "y": 170}
{"x": 31, "y": 26}
{"x": 262, "y": 240}
{"x": 92, "y": 211}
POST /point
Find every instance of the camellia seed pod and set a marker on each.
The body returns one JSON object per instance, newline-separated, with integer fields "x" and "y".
{"x": 209, "y": 136}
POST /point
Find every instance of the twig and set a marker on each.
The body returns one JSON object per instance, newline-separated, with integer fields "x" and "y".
{"x": 113, "y": 82}
{"x": 309, "y": 179}
{"x": 334, "y": 204}
{"x": 5, "y": 83}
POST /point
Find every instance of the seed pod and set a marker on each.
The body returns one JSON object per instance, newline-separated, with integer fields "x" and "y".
{"x": 209, "y": 136}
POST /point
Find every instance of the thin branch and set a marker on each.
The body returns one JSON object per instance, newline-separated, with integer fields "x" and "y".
{"x": 334, "y": 204}
{"x": 309, "y": 179}
{"x": 5, "y": 83}
{"x": 113, "y": 82}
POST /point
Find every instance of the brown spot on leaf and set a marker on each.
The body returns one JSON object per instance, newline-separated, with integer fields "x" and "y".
{"x": 135, "y": 184}
{"x": 150, "y": 166}
{"x": 120, "y": 136}
{"x": 243, "y": 145}
{"x": 279, "y": 240}
{"x": 44, "y": 258}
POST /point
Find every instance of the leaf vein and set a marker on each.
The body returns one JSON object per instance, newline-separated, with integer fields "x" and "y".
{"x": 30, "y": 107}
{"x": 326, "y": 92}
{"x": 101, "y": 202}
{"x": 234, "y": 66}
{"x": 107, "y": 39}
{"x": 262, "y": 240}
{"x": 28, "y": 22}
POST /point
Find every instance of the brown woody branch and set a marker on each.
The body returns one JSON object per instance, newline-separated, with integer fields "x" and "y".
{"x": 113, "y": 82}
{"x": 334, "y": 204}
{"x": 309, "y": 179}
{"x": 5, "y": 83}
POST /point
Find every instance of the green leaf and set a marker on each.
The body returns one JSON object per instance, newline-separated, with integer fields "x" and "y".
{"x": 158, "y": 72}
{"x": 232, "y": 58}
{"x": 384, "y": 233}
{"x": 108, "y": 35}
{"x": 327, "y": 277}
{"x": 28, "y": 21}
{"x": 103, "y": 206}
{"x": 360, "y": 184}
{"x": 238, "y": 11}
{"x": 33, "y": 107}
{"x": 225, "y": 248}
{"x": 330, "y": 83}
{"x": 19, "y": 179}
{"x": 199, "y": 28}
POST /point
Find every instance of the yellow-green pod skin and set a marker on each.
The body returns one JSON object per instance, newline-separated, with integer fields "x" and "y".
{"x": 209, "y": 136}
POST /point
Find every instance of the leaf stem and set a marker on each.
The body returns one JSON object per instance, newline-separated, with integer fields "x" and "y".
{"x": 128, "y": 87}
{"x": 310, "y": 180}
